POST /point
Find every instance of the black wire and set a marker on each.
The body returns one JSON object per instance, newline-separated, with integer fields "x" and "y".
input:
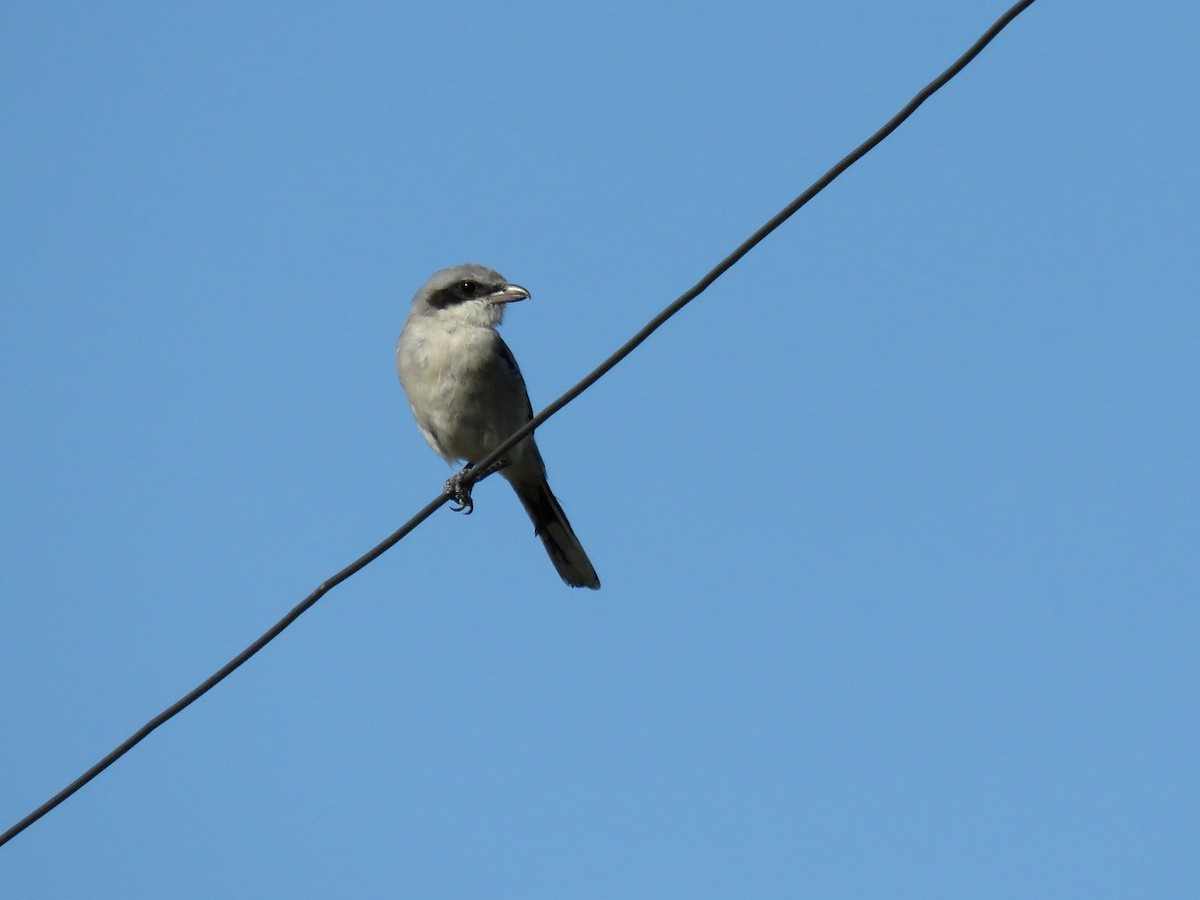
{"x": 482, "y": 465}
{"x": 218, "y": 676}
{"x": 751, "y": 242}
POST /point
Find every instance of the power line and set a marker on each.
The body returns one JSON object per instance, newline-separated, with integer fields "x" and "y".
{"x": 482, "y": 465}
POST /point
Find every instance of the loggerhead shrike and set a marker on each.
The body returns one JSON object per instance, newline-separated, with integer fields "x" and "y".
{"x": 467, "y": 395}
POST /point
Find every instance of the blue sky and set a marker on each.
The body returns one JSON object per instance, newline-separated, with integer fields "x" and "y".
{"x": 898, "y": 524}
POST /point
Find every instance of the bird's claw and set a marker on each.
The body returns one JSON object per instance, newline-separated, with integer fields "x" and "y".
{"x": 460, "y": 493}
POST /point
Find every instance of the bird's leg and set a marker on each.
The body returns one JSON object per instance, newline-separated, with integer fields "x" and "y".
{"x": 461, "y": 492}
{"x": 501, "y": 463}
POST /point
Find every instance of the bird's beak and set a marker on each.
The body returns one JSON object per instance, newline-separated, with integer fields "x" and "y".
{"x": 510, "y": 293}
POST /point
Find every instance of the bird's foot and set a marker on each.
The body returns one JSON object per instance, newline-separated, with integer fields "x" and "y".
{"x": 460, "y": 491}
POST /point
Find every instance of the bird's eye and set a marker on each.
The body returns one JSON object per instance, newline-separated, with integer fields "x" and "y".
{"x": 468, "y": 288}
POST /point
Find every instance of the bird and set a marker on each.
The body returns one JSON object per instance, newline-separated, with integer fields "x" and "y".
{"x": 467, "y": 395}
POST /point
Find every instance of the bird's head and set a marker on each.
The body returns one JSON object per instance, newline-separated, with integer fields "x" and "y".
{"x": 470, "y": 293}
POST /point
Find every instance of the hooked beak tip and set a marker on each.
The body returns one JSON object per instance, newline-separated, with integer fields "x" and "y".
{"x": 510, "y": 293}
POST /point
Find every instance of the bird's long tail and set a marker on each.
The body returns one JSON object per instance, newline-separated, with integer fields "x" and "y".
{"x": 551, "y": 525}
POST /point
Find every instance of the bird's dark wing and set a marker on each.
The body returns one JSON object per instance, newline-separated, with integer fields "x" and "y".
{"x": 511, "y": 361}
